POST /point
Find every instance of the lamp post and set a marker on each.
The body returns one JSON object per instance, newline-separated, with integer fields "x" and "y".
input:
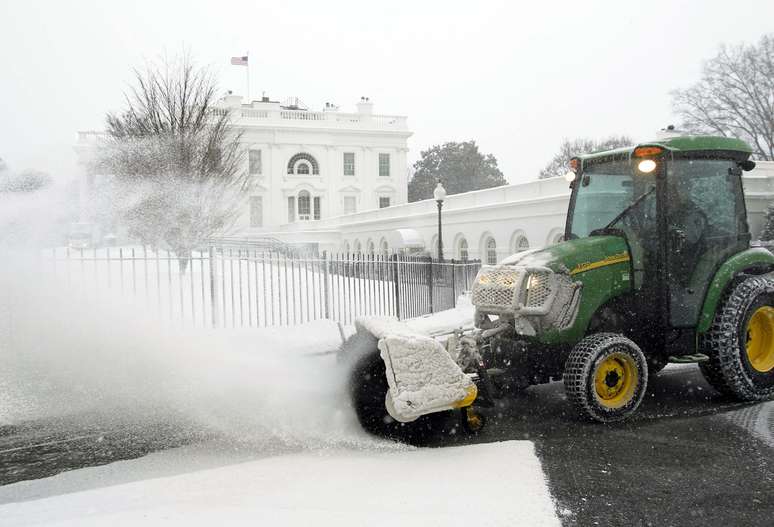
{"x": 439, "y": 194}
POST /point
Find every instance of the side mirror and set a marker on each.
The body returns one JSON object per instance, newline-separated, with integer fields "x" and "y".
{"x": 747, "y": 165}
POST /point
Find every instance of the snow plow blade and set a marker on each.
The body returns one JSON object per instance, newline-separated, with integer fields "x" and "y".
{"x": 422, "y": 376}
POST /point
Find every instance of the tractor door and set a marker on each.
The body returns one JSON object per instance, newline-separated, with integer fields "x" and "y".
{"x": 706, "y": 223}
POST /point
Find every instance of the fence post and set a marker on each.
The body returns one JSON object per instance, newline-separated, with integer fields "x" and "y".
{"x": 453, "y": 283}
{"x": 326, "y": 291}
{"x": 430, "y": 281}
{"x": 213, "y": 288}
{"x": 396, "y": 268}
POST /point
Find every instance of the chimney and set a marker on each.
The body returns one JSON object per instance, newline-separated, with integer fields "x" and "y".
{"x": 365, "y": 106}
{"x": 231, "y": 100}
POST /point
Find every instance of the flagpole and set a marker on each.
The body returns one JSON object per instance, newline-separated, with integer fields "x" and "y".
{"x": 248, "y": 77}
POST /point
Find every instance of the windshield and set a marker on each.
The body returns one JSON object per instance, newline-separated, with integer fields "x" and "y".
{"x": 609, "y": 193}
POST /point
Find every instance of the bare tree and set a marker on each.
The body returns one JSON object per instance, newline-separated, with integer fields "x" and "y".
{"x": 560, "y": 164}
{"x": 177, "y": 164}
{"x": 735, "y": 96}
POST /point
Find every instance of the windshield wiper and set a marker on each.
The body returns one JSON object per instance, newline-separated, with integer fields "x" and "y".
{"x": 632, "y": 205}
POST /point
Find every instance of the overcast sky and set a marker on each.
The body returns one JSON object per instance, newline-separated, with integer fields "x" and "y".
{"x": 516, "y": 77}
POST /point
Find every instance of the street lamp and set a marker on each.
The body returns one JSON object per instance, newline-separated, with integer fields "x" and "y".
{"x": 439, "y": 194}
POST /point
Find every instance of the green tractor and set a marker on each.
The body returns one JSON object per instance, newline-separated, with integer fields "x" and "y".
{"x": 656, "y": 267}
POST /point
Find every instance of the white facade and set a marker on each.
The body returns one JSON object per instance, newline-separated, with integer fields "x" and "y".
{"x": 310, "y": 166}
{"x": 305, "y": 165}
{"x": 488, "y": 224}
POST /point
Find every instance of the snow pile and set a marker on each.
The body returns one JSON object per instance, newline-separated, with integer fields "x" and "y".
{"x": 445, "y": 321}
{"x": 497, "y": 484}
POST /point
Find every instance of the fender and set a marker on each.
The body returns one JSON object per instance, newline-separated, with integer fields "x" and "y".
{"x": 758, "y": 259}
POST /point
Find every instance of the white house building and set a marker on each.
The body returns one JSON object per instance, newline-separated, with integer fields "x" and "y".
{"x": 337, "y": 182}
{"x": 307, "y": 165}
{"x": 310, "y": 165}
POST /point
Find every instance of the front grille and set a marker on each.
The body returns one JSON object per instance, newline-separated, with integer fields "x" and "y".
{"x": 495, "y": 287}
{"x": 538, "y": 289}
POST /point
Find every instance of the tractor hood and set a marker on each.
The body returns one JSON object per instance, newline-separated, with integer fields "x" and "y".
{"x": 540, "y": 291}
{"x": 574, "y": 256}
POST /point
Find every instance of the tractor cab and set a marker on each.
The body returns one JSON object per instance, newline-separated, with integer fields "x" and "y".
{"x": 679, "y": 205}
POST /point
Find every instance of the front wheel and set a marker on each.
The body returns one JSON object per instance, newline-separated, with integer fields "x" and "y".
{"x": 605, "y": 377}
{"x": 740, "y": 342}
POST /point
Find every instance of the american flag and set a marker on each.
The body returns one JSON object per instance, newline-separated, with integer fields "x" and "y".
{"x": 239, "y": 61}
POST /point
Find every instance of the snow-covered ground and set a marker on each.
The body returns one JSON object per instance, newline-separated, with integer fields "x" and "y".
{"x": 497, "y": 484}
{"x": 287, "y": 450}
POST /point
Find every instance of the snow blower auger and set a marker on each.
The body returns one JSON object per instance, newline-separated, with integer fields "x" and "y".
{"x": 656, "y": 267}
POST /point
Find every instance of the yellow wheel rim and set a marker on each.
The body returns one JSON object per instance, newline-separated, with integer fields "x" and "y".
{"x": 760, "y": 339}
{"x": 615, "y": 380}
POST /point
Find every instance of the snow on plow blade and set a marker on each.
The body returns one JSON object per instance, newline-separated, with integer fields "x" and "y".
{"x": 422, "y": 376}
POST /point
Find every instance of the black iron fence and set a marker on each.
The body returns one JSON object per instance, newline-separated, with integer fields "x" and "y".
{"x": 243, "y": 287}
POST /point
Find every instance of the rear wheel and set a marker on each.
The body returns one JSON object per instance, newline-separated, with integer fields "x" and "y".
{"x": 369, "y": 388}
{"x": 606, "y": 376}
{"x": 740, "y": 342}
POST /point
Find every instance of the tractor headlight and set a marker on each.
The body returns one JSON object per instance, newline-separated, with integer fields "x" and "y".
{"x": 646, "y": 166}
{"x": 495, "y": 288}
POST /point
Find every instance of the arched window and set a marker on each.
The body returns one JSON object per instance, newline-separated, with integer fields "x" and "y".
{"x": 357, "y": 248}
{"x": 302, "y": 168}
{"x": 491, "y": 251}
{"x": 371, "y": 249}
{"x": 304, "y": 206}
{"x": 522, "y": 244}
{"x": 462, "y": 249}
{"x": 346, "y": 247}
{"x": 385, "y": 247}
{"x": 294, "y": 166}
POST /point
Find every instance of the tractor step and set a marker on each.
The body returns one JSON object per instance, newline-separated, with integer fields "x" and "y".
{"x": 688, "y": 359}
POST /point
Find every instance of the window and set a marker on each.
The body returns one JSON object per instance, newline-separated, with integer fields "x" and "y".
{"x": 294, "y": 164}
{"x": 384, "y": 202}
{"x": 291, "y": 209}
{"x": 491, "y": 251}
{"x": 608, "y": 189}
{"x": 385, "y": 247}
{"x": 317, "y": 207}
{"x": 346, "y": 247}
{"x": 462, "y": 249}
{"x": 370, "y": 249}
{"x": 521, "y": 244}
{"x": 350, "y": 204}
{"x": 358, "y": 248}
{"x": 256, "y": 211}
{"x": 255, "y": 162}
{"x": 303, "y": 168}
{"x": 304, "y": 205}
{"x": 349, "y": 163}
{"x": 384, "y": 165}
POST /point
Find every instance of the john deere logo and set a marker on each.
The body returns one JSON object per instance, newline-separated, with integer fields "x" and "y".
{"x": 610, "y": 260}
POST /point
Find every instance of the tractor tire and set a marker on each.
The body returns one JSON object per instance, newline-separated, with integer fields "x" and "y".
{"x": 740, "y": 342}
{"x": 605, "y": 377}
{"x": 368, "y": 389}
